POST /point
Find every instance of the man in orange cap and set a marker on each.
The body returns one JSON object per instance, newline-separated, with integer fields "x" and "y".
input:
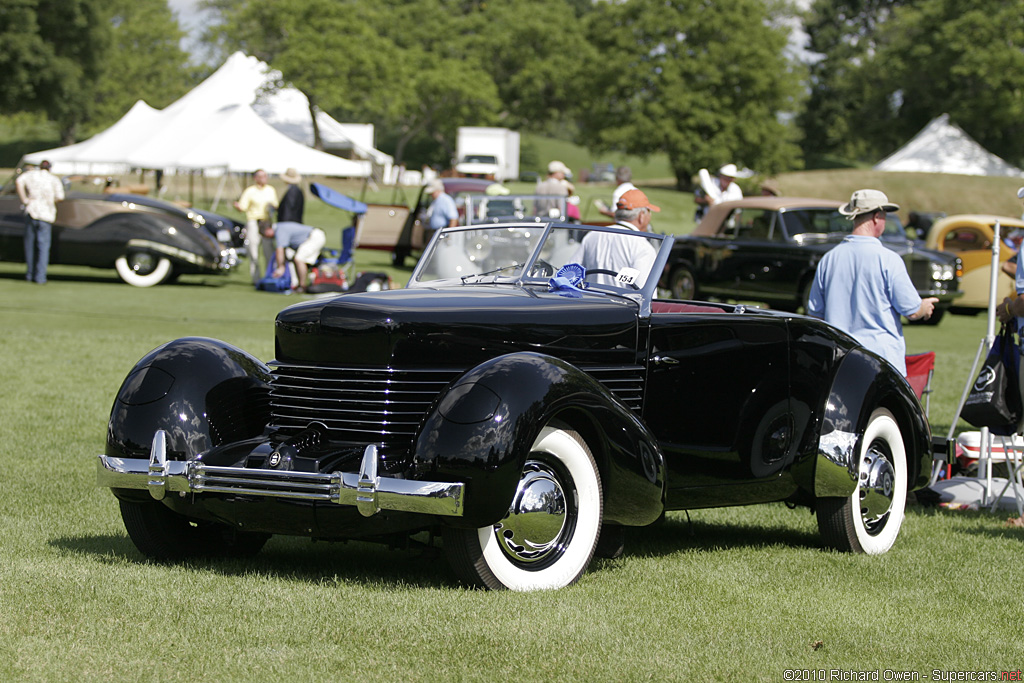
{"x": 609, "y": 251}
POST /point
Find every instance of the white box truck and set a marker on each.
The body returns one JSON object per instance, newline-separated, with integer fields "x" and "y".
{"x": 491, "y": 153}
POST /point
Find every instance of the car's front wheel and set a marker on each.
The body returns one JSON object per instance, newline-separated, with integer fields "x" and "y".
{"x": 142, "y": 269}
{"x": 163, "y": 535}
{"x": 869, "y": 520}
{"x": 548, "y": 537}
{"x": 682, "y": 283}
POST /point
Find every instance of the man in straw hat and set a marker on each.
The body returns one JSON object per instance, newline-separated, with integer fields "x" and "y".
{"x": 863, "y": 288}
{"x": 293, "y": 202}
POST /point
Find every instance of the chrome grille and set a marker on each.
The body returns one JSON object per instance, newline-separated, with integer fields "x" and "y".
{"x": 356, "y": 404}
{"x": 385, "y": 406}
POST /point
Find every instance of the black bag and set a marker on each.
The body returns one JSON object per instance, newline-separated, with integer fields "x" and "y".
{"x": 995, "y": 400}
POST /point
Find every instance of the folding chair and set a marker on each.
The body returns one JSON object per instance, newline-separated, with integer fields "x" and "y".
{"x": 920, "y": 368}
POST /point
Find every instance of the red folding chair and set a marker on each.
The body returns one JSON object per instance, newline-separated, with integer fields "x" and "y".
{"x": 920, "y": 368}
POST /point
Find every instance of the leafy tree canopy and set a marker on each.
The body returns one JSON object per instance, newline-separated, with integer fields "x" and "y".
{"x": 706, "y": 85}
{"x": 890, "y": 67}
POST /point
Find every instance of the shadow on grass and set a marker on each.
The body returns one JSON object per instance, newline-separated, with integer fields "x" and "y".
{"x": 111, "y": 278}
{"x": 676, "y": 534}
{"x": 294, "y": 559}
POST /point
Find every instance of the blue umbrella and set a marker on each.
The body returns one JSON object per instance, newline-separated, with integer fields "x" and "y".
{"x": 337, "y": 199}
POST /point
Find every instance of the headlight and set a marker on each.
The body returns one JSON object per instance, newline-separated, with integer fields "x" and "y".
{"x": 943, "y": 272}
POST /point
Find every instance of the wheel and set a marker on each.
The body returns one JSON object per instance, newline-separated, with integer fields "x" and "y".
{"x": 161, "y": 534}
{"x": 606, "y": 271}
{"x": 869, "y": 520}
{"x": 142, "y": 269}
{"x": 548, "y": 537}
{"x": 682, "y": 283}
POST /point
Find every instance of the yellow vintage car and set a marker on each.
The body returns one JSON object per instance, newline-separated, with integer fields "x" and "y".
{"x": 970, "y": 237}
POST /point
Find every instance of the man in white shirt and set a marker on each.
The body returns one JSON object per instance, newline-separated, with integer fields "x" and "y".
{"x": 39, "y": 191}
{"x": 721, "y": 188}
{"x": 608, "y": 251}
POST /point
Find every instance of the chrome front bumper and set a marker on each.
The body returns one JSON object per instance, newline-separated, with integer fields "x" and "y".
{"x": 368, "y": 491}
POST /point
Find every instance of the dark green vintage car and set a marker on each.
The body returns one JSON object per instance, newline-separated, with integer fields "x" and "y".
{"x": 767, "y": 248}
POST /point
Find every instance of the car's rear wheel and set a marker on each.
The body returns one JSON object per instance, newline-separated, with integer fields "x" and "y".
{"x": 163, "y": 535}
{"x": 682, "y": 283}
{"x": 548, "y": 537}
{"x": 143, "y": 269}
{"x": 869, "y": 520}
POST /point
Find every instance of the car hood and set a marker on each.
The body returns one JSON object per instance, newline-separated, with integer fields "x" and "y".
{"x": 456, "y": 327}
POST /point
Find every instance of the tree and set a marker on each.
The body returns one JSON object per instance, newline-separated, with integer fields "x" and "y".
{"x": 345, "y": 58}
{"x": 144, "y": 60}
{"x": 704, "y": 85}
{"x": 889, "y": 67}
{"x": 50, "y": 55}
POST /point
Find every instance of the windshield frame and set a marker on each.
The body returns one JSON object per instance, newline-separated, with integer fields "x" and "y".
{"x": 662, "y": 242}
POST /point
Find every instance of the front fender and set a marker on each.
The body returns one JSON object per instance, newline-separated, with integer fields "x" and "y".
{"x": 201, "y": 392}
{"x": 862, "y": 383}
{"x": 481, "y": 429}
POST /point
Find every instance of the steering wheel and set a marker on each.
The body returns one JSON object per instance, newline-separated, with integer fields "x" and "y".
{"x": 605, "y": 271}
{"x": 542, "y": 268}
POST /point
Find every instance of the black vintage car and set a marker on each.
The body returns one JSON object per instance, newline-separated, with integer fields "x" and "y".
{"x": 767, "y": 248}
{"x": 147, "y": 241}
{"x": 511, "y": 403}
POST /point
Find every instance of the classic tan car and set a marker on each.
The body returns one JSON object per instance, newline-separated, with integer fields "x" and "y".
{"x": 970, "y": 237}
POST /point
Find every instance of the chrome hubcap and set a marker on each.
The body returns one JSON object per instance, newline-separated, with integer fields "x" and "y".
{"x": 141, "y": 263}
{"x": 877, "y": 488}
{"x": 538, "y": 520}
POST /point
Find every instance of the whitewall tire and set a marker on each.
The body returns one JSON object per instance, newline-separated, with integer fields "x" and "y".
{"x": 548, "y": 537}
{"x": 869, "y": 520}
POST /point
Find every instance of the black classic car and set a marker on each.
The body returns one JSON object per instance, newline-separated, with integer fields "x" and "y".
{"x": 146, "y": 240}
{"x": 767, "y": 248}
{"x": 525, "y": 413}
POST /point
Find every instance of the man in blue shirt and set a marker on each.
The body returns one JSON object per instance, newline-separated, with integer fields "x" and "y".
{"x": 443, "y": 211}
{"x": 863, "y": 288}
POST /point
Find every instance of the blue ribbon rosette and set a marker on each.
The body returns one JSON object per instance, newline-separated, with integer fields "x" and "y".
{"x": 567, "y": 280}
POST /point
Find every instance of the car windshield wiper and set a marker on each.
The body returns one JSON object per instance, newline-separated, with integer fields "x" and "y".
{"x": 491, "y": 272}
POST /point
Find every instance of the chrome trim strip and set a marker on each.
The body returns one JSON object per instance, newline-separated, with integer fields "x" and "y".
{"x": 836, "y": 469}
{"x": 367, "y": 491}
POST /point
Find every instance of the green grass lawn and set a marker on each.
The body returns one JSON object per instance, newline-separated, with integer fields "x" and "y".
{"x": 717, "y": 595}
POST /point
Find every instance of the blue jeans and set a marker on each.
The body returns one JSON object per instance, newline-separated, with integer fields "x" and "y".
{"x": 37, "y": 249}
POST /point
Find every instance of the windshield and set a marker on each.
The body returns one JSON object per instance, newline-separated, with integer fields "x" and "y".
{"x": 823, "y": 221}
{"x": 481, "y": 208}
{"x": 613, "y": 258}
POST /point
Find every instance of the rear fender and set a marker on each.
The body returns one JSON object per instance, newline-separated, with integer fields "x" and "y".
{"x": 481, "y": 429}
{"x": 862, "y": 383}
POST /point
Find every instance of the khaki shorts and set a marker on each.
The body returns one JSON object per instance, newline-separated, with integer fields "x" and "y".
{"x": 309, "y": 251}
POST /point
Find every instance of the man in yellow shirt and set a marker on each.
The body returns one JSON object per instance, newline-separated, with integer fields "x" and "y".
{"x": 256, "y": 202}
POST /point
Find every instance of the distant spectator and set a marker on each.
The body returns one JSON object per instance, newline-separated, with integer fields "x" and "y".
{"x": 624, "y": 177}
{"x": 918, "y": 224}
{"x": 442, "y": 212}
{"x": 721, "y": 188}
{"x": 293, "y": 202}
{"x": 307, "y": 242}
{"x": 39, "y": 191}
{"x": 256, "y": 202}
{"x": 863, "y": 288}
{"x": 555, "y": 185}
{"x": 769, "y": 188}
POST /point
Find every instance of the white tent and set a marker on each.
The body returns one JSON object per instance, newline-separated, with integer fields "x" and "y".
{"x": 236, "y": 140}
{"x": 212, "y": 128}
{"x": 943, "y": 147}
{"x": 245, "y": 80}
{"x": 104, "y": 153}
